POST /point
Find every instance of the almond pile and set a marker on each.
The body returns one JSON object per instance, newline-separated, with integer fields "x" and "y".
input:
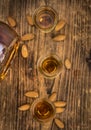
{"x": 59, "y": 26}
{"x": 59, "y": 105}
{"x": 25, "y": 37}
{"x": 30, "y": 94}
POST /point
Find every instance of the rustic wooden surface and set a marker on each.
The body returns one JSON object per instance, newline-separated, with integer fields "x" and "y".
{"x": 73, "y": 86}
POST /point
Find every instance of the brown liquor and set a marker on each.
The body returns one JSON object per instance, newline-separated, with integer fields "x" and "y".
{"x": 50, "y": 65}
{"x": 43, "y": 110}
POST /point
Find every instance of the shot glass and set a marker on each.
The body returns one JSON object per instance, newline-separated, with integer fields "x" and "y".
{"x": 9, "y": 44}
{"x": 45, "y": 18}
{"x": 50, "y": 65}
{"x": 43, "y": 110}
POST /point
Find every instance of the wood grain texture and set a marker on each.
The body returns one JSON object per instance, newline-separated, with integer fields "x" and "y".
{"x": 73, "y": 86}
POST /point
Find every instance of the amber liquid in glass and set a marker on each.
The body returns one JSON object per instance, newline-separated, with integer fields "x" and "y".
{"x": 49, "y": 65}
{"x": 43, "y": 110}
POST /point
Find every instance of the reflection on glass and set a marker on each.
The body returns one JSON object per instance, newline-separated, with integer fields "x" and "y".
{"x": 8, "y": 47}
{"x": 43, "y": 110}
{"x": 45, "y": 18}
{"x": 50, "y": 65}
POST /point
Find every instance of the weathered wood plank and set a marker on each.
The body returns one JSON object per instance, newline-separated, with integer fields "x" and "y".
{"x": 73, "y": 86}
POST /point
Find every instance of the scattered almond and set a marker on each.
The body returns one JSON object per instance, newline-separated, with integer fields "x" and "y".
{"x": 53, "y": 96}
{"x": 67, "y": 64}
{"x": 60, "y": 25}
{"x": 24, "y": 51}
{"x": 29, "y": 19}
{"x": 59, "y": 123}
{"x": 11, "y": 21}
{"x": 59, "y": 38}
{"x": 59, "y": 104}
{"x": 32, "y": 94}
{"x": 24, "y": 107}
{"x": 28, "y": 36}
{"x": 59, "y": 110}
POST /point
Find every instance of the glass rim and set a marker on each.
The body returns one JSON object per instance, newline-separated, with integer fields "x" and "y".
{"x": 46, "y": 8}
{"x": 58, "y": 71}
{"x": 47, "y": 119}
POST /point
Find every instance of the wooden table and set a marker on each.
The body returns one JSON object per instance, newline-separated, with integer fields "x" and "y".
{"x": 72, "y": 86}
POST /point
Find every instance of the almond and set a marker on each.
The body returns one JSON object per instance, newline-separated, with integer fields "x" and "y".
{"x": 24, "y": 51}
{"x": 59, "y": 110}
{"x": 29, "y": 19}
{"x": 59, "y": 104}
{"x": 24, "y": 107}
{"x": 32, "y": 94}
{"x": 60, "y": 25}
{"x": 11, "y": 21}
{"x": 53, "y": 96}
{"x": 59, "y": 123}
{"x": 59, "y": 38}
{"x": 67, "y": 64}
{"x": 28, "y": 36}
